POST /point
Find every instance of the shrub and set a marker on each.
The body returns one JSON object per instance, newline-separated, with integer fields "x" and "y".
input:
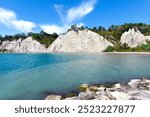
{"x": 109, "y": 49}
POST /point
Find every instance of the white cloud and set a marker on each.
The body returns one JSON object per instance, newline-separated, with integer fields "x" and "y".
{"x": 53, "y": 28}
{"x": 71, "y": 16}
{"x": 60, "y": 11}
{"x": 9, "y": 18}
{"x": 57, "y": 29}
{"x": 79, "y": 12}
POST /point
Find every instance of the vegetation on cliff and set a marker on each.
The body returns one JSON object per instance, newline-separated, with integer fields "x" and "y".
{"x": 112, "y": 34}
{"x": 42, "y": 37}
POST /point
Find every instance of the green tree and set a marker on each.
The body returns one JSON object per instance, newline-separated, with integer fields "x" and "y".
{"x": 94, "y": 29}
{"x": 82, "y": 28}
{"x": 101, "y": 28}
{"x": 73, "y": 26}
{"x": 1, "y": 37}
{"x": 112, "y": 27}
{"x": 110, "y": 49}
{"x": 125, "y": 46}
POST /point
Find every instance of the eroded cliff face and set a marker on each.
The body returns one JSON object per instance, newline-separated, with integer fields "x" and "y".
{"x": 134, "y": 38}
{"x": 79, "y": 41}
{"x": 21, "y": 46}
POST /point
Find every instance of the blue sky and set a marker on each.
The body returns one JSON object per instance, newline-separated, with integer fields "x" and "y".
{"x": 18, "y": 16}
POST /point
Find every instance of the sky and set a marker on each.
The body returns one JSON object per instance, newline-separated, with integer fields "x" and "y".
{"x": 23, "y": 16}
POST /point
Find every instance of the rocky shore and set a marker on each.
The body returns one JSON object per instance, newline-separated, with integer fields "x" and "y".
{"x": 136, "y": 89}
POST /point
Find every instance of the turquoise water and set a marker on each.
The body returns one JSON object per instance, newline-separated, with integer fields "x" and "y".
{"x": 33, "y": 76}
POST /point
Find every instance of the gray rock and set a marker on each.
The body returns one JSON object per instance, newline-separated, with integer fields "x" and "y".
{"x": 101, "y": 88}
{"x": 101, "y": 97}
{"x": 84, "y": 86}
{"x": 87, "y": 95}
{"x": 73, "y": 98}
{"x": 134, "y": 83}
{"x": 104, "y": 95}
{"x": 53, "y": 97}
{"x": 148, "y": 87}
{"x": 120, "y": 95}
{"x": 111, "y": 97}
{"x": 137, "y": 89}
{"x": 93, "y": 88}
{"x": 118, "y": 85}
{"x": 143, "y": 95}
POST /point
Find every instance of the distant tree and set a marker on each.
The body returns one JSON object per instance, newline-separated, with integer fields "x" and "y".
{"x": 101, "y": 28}
{"x": 125, "y": 46}
{"x": 43, "y": 37}
{"x": 86, "y": 27}
{"x": 89, "y": 28}
{"x": 43, "y": 33}
{"x": 55, "y": 35}
{"x": 82, "y": 28}
{"x": 8, "y": 37}
{"x": 23, "y": 35}
{"x": 1, "y": 37}
{"x": 75, "y": 28}
{"x": 112, "y": 27}
{"x": 94, "y": 29}
{"x": 30, "y": 34}
{"x": 109, "y": 49}
{"x": 18, "y": 36}
{"x": 117, "y": 46}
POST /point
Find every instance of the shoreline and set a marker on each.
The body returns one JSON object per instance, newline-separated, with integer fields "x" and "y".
{"x": 121, "y": 53}
{"x": 135, "y": 89}
{"x": 138, "y": 53}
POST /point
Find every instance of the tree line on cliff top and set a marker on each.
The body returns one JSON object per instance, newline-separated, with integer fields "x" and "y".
{"x": 42, "y": 37}
{"x": 112, "y": 34}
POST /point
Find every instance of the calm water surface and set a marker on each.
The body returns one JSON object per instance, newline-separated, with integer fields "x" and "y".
{"x": 33, "y": 76}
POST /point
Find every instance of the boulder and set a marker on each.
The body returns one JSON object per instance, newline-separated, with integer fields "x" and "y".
{"x": 117, "y": 86}
{"x": 101, "y": 88}
{"x": 87, "y": 95}
{"x": 83, "y": 87}
{"x": 120, "y": 95}
{"x": 145, "y": 80}
{"x": 73, "y": 98}
{"x": 101, "y": 97}
{"x": 53, "y": 97}
{"x": 148, "y": 87}
{"x": 142, "y": 95}
{"x": 134, "y": 83}
{"x": 104, "y": 95}
{"x": 93, "y": 88}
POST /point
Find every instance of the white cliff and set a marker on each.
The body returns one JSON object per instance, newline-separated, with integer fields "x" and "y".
{"x": 80, "y": 41}
{"x": 134, "y": 38}
{"x": 26, "y": 45}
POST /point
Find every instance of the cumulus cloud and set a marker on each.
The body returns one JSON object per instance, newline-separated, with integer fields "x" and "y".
{"x": 70, "y": 16}
{"x": 53, "y": 28}
{"x": 9, "y": 18}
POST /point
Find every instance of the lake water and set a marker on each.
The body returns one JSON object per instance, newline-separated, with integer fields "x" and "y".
{"x": 33, "y": 76}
